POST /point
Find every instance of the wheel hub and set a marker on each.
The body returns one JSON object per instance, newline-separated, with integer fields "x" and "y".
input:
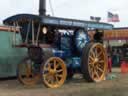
{"x": 96, "y": 60}
{"x": 52, "y": 72}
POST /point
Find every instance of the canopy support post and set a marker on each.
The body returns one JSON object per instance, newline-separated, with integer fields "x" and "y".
{"x": 37, "y": 36}
{"x": 14, "y": 35}
{"x": 28, "y": 31}
{"x": 33, "y": 34}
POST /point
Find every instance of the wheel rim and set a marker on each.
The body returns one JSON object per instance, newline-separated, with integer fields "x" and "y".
{"x": 97, "y": 62}
{"x": 26, "y": 73}
{"x": 54, "y": 72}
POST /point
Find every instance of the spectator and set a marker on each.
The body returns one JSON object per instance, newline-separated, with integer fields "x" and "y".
{"x": 109, "y": 64}
{"x": 98, "y": 36}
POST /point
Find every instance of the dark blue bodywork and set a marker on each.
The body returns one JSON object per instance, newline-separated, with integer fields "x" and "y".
{"x": 67, "y": 46}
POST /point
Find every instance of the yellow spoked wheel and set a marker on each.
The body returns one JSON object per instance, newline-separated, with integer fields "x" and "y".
{"x": 54, "y": 72}
{"x": 94, "y": 62}
{"x": 26, "y": 74}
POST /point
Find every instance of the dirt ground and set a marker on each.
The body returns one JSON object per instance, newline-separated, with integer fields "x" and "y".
{"x": 118, "y": 86}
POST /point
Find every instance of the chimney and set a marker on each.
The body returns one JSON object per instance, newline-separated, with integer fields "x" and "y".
{"x": 42, "y": 7}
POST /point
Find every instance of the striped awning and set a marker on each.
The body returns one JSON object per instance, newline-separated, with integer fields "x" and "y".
{"x": 119, "y": 34}
{"x": 115, "y": 34}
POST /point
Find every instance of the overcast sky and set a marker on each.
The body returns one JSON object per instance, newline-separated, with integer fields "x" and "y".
{"x": 76, "y": 9}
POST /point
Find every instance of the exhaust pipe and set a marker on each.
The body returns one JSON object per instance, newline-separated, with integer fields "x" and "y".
{"x": 42, "y": 7}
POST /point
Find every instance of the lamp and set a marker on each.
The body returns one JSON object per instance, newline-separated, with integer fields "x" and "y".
{"x": 44, "y": 30}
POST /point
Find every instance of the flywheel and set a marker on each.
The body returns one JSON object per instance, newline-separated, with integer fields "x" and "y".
{"x": 26, "y": 72}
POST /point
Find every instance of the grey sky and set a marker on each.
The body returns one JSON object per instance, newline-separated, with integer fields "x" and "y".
{"x": 77, "y": 9}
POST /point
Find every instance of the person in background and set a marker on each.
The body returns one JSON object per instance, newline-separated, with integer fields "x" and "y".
{"x": 118, "y": 57}
{"x": 98, "y": 36}
{"x": 114, "y": 55}
{"x": 109, "y": 64}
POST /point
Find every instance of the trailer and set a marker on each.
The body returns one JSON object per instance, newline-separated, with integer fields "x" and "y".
{"x": 10, "y": 55}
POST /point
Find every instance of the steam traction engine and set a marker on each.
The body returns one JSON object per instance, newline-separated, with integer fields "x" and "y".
{"x": 58, "y": 48}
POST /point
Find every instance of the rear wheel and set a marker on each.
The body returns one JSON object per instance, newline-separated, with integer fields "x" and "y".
{"x": 94, "y": 62}
{"x": 26, "y": 72}
{"x": 54, "y": 72}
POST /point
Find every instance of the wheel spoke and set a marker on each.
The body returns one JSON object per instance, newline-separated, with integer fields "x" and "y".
{"x": 55, "y": 64}
{"x": 91, "y": 65}
{"x": 101, "y": 61}
{"x": 57, "y": 79}
{"x": 101, "y": 66}
{"x": 60, "y": 70}
{"x": 28, "y": 70}
{"x": 46, "y": 75}
{"x": 91, "y": 70}
{"x": 46, "y": 68}
{"x": 49, "y": 66}
{"x": 59, "y": 75}
{"x": 91, "y": 58}
{"x": 92, "y": 73}
{"x": 101, "y": 70}
{"x": 96, "y": 53}
{"x": 92, "y": 52}
{"x": 96, "y": 73}
{"x": 100, "y": 53}
{"x": 48, "y": 80}
{"x": 52, "y": 80}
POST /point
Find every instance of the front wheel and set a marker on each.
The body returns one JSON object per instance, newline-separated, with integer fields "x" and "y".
{"x": 54, "y": 72}
{"x": 94, "y": 62}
